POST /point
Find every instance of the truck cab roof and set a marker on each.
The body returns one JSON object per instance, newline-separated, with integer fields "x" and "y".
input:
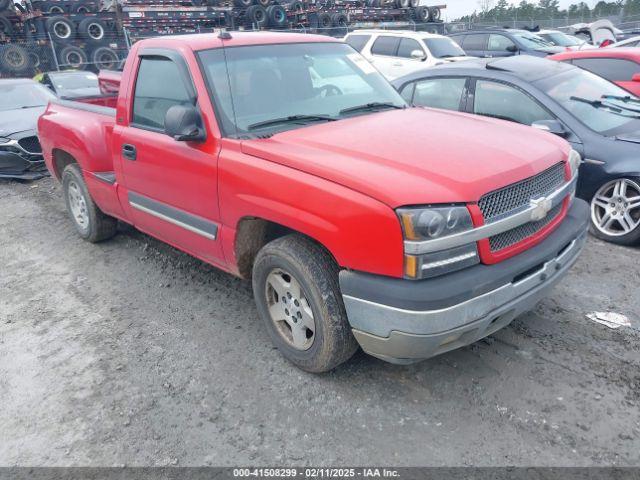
{"x": 237, "y": 39}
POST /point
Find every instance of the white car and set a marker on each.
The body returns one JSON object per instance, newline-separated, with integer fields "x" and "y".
{"x": 629, "y": 42}
{"x": 561, "y": 39}
{"x": 398, "y": 52}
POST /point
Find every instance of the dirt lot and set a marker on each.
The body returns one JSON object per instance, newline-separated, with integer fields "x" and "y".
{"x": 132, "y": 353}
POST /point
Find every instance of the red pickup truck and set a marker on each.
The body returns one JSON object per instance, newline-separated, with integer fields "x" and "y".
{"x": 289, "y": 160}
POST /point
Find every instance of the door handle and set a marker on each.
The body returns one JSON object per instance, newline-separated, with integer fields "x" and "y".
{"x": 129, "y": 151}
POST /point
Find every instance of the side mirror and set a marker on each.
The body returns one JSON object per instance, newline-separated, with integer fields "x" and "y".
{"x": 184, "y": 124}
{"x": 636, "y": 77}
{"x": 551, "y": 126}
{"x": 418, "y": 55}
{"x": 512, "y": 49}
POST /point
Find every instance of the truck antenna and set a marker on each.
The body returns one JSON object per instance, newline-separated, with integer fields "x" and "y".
{"x": 224, "y": 35}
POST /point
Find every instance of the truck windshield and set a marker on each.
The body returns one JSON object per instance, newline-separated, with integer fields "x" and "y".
{"x": 285, "y": 86}
{"x": 594, "y": 101}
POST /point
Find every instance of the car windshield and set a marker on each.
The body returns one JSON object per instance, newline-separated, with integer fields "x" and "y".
{"x": 530, "y": 40}
{"x": 14, "y": 96}
{"x": 76, "y": 81}
{"x": 581, "y": 93}
{"x": 285, "y": 86}
{"x": 560, "y": 39}
{"x": 444, "y": 48}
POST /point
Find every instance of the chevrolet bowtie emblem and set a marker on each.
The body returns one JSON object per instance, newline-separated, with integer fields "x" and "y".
{"x": 541, "y": 207}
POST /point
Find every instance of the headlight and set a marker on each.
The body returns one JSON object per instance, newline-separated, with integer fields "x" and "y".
{"x": 574, "y": 161}
{"x": 423, "y": 224}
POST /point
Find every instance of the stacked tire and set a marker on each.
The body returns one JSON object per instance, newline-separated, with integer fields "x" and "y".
{"x": 263, "y": 13}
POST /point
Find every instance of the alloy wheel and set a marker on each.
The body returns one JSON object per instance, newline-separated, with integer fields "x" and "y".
{"x": 290, "y": 310}
{"x": 615, "y": 208}
{"x": 78, "y": 205}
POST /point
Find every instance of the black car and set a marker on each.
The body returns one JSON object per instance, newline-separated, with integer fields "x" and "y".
{"x": 503, "y": 42}
{"x": 22, "y": 101}
{"x": 72, "y": 84}
{"x": 598, "y": 118}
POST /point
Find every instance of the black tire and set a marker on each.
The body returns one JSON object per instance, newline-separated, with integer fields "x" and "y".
{"x": 93, "y": 30}
{"x": 14, "y": 59}
{"x": 52, "y": 8}
{"x": 434, "y": 14}
{"x": 277, "y": 15}
{"x": 629, "y": 239}
{"x": 105, "y": 58}
{"x": 421, "y": 14}
{"x": 99, "y": 226}
{"x": 256, "y": 16}
{"x": 61, "y": 29}
{"x": 83, "y": 8}
{"x": 5, "y": 4}
{"x": 339, "y": 20}
{"x": 317, "y": 274}
{"x": 71, "y": 57}
{"x": 414, "y": 3}
{"x": 297, "y": 7}
{"x": 403, "y": 3}
{"x": 263, "y": 3}
{"x": 243, "y": 3}
{"x": 6, "y": 28}
{"x": 324, "y": 20}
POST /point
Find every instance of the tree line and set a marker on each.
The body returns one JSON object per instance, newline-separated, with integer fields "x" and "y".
{"x": 492, "y": 10}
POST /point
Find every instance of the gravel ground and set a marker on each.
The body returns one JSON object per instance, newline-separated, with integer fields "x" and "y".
{"x": 132, "y": 353}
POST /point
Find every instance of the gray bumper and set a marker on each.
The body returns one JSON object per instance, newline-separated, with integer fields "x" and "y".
{"x": 404, "y": 335}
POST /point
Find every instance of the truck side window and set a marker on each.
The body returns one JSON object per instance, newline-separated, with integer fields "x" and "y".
{"x": 408, "y": 45}
{"x": 498, "y": 100}
{"x": 159, "y": 86}
{"x": 440, "y": 93}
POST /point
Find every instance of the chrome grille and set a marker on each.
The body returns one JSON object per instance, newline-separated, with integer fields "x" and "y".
{"x": 515, "y": 235}
{"x": 30, "y": 144}
{"x": 518, "y": 195}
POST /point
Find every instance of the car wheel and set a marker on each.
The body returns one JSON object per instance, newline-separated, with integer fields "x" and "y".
{"x": 615, "y": 211}
{"x": 295, "y": 285}
{"x": 61, "y": 29}
{"x": 90, "y": 222}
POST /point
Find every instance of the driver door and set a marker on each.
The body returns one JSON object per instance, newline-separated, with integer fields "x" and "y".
{"x": 171, "y": 186}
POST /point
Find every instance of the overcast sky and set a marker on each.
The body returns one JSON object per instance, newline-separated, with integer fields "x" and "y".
{"x": 457, "y": 8}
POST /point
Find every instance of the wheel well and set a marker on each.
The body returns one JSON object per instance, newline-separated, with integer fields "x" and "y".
{"x": 60, "y": 160}
{"x": 254, "y": 233}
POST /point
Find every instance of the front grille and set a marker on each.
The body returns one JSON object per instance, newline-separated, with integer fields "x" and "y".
{"x": 516, "y": 196}
{"x": 30, "y": 144}
{"x": 515, "y": 235}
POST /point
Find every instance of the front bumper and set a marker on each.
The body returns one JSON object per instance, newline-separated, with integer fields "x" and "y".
{"x": 16, "y": 162}
{"x": 404, "y": 321}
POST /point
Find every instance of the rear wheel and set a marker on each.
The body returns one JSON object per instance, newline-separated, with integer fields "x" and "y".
{"x": 90, "y": 222}
{"x": 295, "y": 285}
{"x": 615, "y": 211}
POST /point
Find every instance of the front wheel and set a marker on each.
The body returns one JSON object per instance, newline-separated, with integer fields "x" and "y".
{"x": 295, "y": 285}
{"x": 615, "y": 211}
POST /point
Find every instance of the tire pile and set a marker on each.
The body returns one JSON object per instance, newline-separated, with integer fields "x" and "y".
{"x": 58, "y": 34}
{"x": 144, "y": 18}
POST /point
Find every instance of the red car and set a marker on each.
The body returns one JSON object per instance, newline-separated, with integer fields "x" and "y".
{"x": 618, "y": 65}
{"x": 289, "y": 160}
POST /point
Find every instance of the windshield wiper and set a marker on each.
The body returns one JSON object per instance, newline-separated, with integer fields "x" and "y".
{"x": 625, "y": 99}
{"x": 606, "y": 106}
{"x": 291, "y": 119}
{"x": 31, "y": 106}
{"x": 371, "y": 106}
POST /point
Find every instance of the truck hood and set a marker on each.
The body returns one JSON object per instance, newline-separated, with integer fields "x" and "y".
{"x": 415, "y": 156}
{"x": 15, "y": 121}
